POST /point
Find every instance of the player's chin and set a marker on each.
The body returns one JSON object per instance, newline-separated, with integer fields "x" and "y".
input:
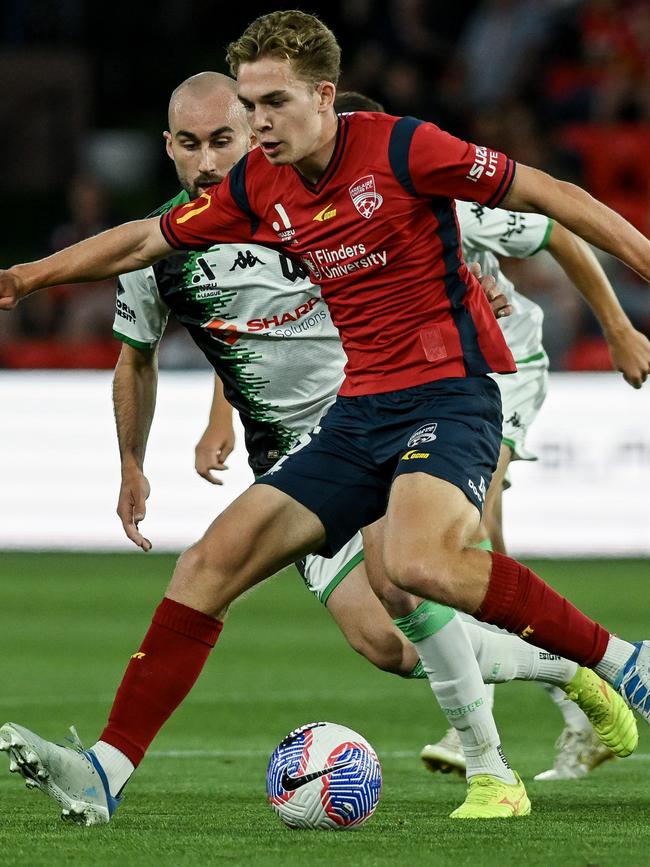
{"x": 278, "y": 155}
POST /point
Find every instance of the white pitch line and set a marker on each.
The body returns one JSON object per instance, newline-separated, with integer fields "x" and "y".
{"x": 220, "y": 754}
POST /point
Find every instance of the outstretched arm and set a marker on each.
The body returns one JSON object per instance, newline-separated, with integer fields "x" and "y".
{"x": 134, "y": 401}
{"x": 218, "y": 439}
{"x": 629, "y": 348}
{"x": 572, "y": 207}
{"x": 116, "y": 251}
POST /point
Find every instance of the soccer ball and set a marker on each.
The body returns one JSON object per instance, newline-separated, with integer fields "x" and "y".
{"x": 324, "y": 776}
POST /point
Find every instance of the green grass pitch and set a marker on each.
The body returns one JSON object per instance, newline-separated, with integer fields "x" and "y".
{"x": 70, "y": 621}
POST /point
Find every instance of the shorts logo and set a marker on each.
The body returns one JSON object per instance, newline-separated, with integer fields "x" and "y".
{"x": 414, "y": 454}
{"x": 365, "y": 197}
{"x": 479, "y": 492}
{"x": 426, "y": 434}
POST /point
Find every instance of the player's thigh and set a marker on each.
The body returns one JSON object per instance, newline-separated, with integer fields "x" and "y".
{"x": 261, "y": 532}
{"x": 491, "y": 524}
{"x": 439, "y": 487}
{"x": 429, "y": 523}
{"x": 397, "y": 602}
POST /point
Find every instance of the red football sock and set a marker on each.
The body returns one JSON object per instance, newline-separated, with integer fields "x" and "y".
{"x": 159, "y": 676}
{"x": 519, "y": 601}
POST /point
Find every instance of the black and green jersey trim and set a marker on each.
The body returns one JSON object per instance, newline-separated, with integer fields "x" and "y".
{"x": 136, "y": 344}
{"x": 181, "y": 198}
{"x": 546, "y": 238}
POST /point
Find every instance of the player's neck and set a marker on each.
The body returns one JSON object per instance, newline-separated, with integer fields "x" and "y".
{"x": 313, "y": 166}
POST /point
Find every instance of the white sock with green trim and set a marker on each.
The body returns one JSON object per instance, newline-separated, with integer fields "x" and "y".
{"x": 454, "y": 676}
{"x": 503, "y": 657}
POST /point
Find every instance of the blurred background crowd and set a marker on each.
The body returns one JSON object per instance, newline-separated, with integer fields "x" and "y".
{"x": 563, "y": 85}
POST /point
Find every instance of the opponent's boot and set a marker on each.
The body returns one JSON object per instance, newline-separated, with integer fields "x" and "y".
{"x": 72, "y": 777}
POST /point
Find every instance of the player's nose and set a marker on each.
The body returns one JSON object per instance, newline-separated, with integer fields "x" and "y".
{"x": 207, "y": 162}
{"x": 260, "y": 119}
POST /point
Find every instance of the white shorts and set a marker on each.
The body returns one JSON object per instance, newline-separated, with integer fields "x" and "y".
{"x": 522, "y": 395}
{"x": 322, "y": 575}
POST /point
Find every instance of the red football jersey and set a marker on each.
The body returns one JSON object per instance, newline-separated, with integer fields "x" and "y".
{"x": 378, "y": 233}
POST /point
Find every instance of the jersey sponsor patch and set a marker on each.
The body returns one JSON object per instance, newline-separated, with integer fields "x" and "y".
{"x": 328, "y": 213}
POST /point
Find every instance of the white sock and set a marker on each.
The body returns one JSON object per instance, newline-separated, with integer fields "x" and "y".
{"x": 503, "y": 657}
{"x": 117, "y": 767}
{"x": 617, "y": 654}
{"x": 450, "y": 664}
{"x": 573, "y": 717}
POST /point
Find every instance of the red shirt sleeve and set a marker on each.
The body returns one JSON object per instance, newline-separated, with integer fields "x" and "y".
{"x": 442, "y": 165}
{"x": 213, "y": 217}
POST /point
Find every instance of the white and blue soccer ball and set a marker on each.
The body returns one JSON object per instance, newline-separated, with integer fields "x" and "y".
{"x": 324, "y": 776}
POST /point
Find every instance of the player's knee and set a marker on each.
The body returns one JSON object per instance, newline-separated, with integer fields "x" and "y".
{"x": 422, "y": 578}
{"x": 196, "y": 570}
{"x": 384, "y": 651}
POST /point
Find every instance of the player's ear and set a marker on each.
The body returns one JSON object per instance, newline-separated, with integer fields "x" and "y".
{"x": 327, "y": 93}
{"x": 168, "y": 144}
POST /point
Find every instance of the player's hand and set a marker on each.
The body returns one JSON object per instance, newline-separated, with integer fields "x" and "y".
{"x": 11, "y": 289}
{"x": 211, "y": 452}
{"x": 498, "y": 301}
{"x": 630, "y": 352}
{"x": 131, "y": 507}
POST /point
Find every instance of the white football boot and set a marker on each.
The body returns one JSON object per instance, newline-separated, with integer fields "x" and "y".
{"x": 446, "y": 755}
{"x": 72, "y": 777}
{"x": 578, "y": 753}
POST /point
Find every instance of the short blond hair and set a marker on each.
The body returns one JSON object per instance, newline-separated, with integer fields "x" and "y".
{"x": 290, "y": 35}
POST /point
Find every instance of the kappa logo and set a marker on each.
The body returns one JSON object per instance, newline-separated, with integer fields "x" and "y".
{"x": 426, "y": 434}
{"x": 246, "y": 260}
{"x": 327, "y": 213}
{"x": 365, "y": 197}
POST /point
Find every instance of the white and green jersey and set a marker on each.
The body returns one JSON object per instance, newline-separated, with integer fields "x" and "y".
{"x": 486, "y": 232}
{"x": 259, "y": 321}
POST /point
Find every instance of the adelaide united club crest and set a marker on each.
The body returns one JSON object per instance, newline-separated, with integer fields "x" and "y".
{"x": 365, "y": 197}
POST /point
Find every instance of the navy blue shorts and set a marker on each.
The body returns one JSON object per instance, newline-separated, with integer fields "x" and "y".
{"x": 343, "y": 470}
